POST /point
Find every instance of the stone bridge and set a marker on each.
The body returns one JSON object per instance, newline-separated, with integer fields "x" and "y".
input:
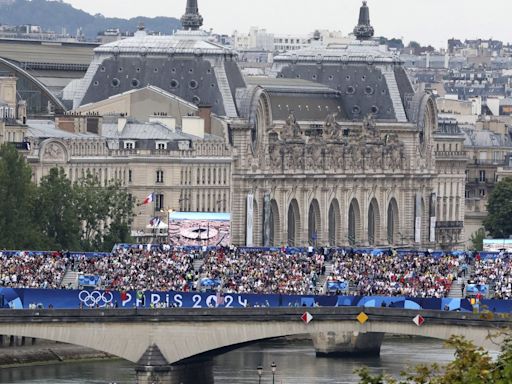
{"x": 158, "y": 338}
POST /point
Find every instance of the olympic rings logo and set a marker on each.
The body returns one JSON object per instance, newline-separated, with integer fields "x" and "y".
{"x": 95, "y": 298}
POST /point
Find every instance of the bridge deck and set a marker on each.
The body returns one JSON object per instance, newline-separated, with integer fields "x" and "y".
{"x": 140, "y": 315}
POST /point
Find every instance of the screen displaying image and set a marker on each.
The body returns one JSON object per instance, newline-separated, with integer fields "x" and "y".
{"x": 497, "y": 245}
{"x": 199, "y": 229}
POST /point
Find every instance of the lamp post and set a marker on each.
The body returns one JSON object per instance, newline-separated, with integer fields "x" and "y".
{"x": 273, "y": 366}
{"x": 260, "y": 372}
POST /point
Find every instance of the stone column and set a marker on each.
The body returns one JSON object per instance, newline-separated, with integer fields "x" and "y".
{"x": 347, "y": 344}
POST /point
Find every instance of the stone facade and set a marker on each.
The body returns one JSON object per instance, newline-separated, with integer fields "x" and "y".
{"x": 335, "y": 183}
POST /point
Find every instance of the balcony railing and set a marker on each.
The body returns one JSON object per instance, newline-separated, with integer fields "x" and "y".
{"x": 449, "y": 224}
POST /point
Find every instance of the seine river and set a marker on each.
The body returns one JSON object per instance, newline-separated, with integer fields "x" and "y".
{"x": 296, "y": 363}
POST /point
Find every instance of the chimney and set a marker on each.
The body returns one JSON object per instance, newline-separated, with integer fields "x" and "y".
{"x": 193, "y": 125}
{"x": 121, "y": 123}
{"x": 205, "y": 113}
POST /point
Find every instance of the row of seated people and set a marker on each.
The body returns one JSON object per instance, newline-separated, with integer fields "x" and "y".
{"x": 32, "y": 271}
{"x": 265, "y": 272}
{"x": 390, "y": 274}
{"x": 259, "y": 272}
{"x": 496, "y": 273}
{"x": 141, "y": 270}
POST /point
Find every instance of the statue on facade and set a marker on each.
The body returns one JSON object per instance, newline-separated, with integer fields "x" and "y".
{"x": 291, "y": 129}
{"x": 332, "y": 130}
{"x": 370, "y": 131}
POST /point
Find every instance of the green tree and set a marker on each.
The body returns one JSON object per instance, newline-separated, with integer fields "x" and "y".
{"x": 499, "y": 208}
{"x": 55, "y": 211}
{"x": 106, "y": 213}
{"x": 472, "y": 365}
{"x": 17, "y": 226}
{"x": 477, "y": 239}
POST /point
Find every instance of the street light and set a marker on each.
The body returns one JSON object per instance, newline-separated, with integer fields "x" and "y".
{"x": 273, "y": 366}
{"x": 260, "y": 372}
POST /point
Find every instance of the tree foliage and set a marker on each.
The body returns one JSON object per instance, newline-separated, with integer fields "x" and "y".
{"x": 472, "y": 365}
{"x": 17, "y": 228}
{"x": 55, "y": 211}
{"x": 106, "y": 213}
{"x": 499, "y": 208}
{"x": 57, "y": 214}
{"x": 477, "y": 239}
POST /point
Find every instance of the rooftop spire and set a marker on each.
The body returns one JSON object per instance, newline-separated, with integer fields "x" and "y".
{"x": 364, "y": 30}
{"x": 192, "y": 20}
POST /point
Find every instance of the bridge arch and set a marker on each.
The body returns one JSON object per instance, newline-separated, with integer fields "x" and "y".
{"x": 182, "y": 334}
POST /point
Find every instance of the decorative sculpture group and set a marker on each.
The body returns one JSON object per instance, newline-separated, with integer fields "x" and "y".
{"x": 334, "y": 149}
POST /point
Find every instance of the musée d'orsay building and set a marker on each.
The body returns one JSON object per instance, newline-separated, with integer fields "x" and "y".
{"x": 336, "y": 147}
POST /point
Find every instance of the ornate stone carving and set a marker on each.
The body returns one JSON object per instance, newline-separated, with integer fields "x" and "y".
{"x": 274, "y": 150}
{"x": 394, "y": 151}
{"x": 335, "y": 157}
{"x": 54, "y": 152}
{"x": 315, "y": 152}
{"x": 294, "y": 156}
{"x": 355, "y": 157}
{"x": 374, "y": 156}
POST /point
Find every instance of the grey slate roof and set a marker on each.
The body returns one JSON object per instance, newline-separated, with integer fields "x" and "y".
{"x": 146, "y": 131}
{"x": 485, "y": 139}
{"x": 46, "y": 129}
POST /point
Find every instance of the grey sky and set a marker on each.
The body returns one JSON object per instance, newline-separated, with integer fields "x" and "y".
{"x": 426, "y": 21}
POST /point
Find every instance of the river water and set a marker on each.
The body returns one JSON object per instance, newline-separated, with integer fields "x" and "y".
{"x": 296, "y": 363}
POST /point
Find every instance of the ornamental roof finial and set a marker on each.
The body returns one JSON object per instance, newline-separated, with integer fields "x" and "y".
{"x": 192, "y": 20}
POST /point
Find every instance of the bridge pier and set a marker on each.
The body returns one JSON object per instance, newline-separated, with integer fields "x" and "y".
{"x": 153, "y": 368}
{"x": 347, "y": 344}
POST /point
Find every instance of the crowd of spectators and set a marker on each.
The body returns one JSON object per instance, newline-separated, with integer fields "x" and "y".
{"x": 394, "y": 275}
{"x": 141, "y": 269}
{"x": 32, "y": 271}
{"x": 496, "y": 273}
{"x": 265, "y": 272}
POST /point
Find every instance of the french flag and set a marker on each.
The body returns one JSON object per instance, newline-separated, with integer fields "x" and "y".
{"x": 149, "y": 199}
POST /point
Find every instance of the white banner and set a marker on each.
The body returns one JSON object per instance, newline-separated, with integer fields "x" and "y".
{"x": 417, "y": 221}
{"x": 433, "y": 221}
{"x": 249, "y": 241}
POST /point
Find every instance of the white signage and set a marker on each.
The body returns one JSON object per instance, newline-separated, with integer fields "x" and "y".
{"x": 249, "y": 241}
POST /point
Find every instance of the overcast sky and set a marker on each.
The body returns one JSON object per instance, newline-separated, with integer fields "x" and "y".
{"x": 426, "y": 21}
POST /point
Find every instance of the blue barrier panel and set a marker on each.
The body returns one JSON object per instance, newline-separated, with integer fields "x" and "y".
{"x": 72, "y": 299}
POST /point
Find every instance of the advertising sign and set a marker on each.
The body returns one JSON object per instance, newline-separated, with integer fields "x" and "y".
{"x": 199, "y": 229}
{"x": 19, "y": 298}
